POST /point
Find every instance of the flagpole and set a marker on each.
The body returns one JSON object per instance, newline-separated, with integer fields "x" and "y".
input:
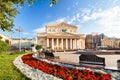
{"x": 19, "y": 30}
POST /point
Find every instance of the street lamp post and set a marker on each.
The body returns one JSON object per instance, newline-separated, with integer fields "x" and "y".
{"x": 19, "y": 30}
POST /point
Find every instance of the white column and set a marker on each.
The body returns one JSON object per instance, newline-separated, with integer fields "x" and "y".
{"x": 66, "y": 43}
{"x": 47, "y": 42}
{"x": 78, "y": 44}
{"x": 75, "y": 44}
{"x": 62, "y": 43}
{"x": 57, "y": 43}
{"x": 52, "y": 43}
{"x": 70, "y": 43}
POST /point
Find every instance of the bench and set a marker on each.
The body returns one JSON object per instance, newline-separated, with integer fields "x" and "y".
{"x": 91, "y": 60}
{"x": 49, "y": 55}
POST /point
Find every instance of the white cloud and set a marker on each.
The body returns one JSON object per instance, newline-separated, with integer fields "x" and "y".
{"x": 75, "y": 18}
{"x": 60, "y": 19}
{"x": 85, "y": 12}
{"x": 39, "y": 30}
{"x": 25, "y": 33}
{"x": 114, "y": 1}
{"x": 85, "y": 18}
{"x": 108, "y": 19}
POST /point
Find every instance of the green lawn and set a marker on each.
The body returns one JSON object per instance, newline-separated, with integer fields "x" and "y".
{"x": 7, "y": 70}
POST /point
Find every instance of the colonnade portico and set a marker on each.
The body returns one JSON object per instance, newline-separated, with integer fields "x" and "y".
{"x": 63, "y": 43}
{"x": 61, "y": 36}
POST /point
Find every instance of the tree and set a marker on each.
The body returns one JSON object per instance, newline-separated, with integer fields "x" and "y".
{"x": 8, "y": 11}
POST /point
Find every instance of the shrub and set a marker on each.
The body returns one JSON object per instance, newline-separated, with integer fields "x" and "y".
{"x": 3, "y": 46}
{"x": 38, "y": 47}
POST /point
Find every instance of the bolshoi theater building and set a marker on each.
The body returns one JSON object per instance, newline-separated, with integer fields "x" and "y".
{"x": 61, "y": 36}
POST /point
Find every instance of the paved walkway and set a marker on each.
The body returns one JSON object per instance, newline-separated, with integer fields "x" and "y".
{"x": 110, "y": 60}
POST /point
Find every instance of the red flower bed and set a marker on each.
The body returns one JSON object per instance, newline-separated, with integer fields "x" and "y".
{"x": 62, "y": 71}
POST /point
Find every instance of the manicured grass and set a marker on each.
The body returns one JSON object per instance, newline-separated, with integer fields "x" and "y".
{"x": 7, "y": 70}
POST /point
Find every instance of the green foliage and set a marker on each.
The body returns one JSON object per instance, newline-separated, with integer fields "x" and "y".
{"x": 3, "y": 46}
{"x": 7, "y": 70}
{"x": 53, "y": 2}
{"x": 38, "y": 47}
{"x": 12, "y": 53}
{"x": 8, "y": 11}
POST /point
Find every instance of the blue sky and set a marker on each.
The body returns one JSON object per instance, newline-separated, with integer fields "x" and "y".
{"x": 102, "y": 16}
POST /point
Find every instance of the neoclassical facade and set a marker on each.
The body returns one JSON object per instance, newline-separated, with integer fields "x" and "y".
{"x": 61, "y": 36}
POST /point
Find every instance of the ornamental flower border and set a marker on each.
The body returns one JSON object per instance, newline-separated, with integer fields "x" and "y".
{"x": 63, "y": 72}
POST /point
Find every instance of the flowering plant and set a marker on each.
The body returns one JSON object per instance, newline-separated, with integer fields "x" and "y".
{"x": 63, "y": 72}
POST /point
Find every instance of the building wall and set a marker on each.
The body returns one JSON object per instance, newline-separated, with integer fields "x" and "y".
{"x": 25, "y": 43}
{"x": 61, "y": 31}
{"x": 111, "y": 42}
{"x": 53, "y": 29}
{"x": 42, "y": 41}
{"x": 82, "y": 44}
{"x": 108, "y": 42}
{"x": 93, "y": 40}
{"x": 61, "y": 28}
{"x": 117, "y": 43}
{"x": 5, "y": 38}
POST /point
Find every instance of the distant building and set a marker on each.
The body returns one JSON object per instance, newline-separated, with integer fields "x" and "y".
{"x": 88, "y": 42}
{"x": 5, "y": 38}
{"x": 107, "y": 42}
{"x": 61, "y": 36}
{"x": 25, "y": 43}
{"x": 14, "y": 42}
{"x": 117, "y": 43}
{"x": 93, "y": 40}
{"x": 111, "y": 42}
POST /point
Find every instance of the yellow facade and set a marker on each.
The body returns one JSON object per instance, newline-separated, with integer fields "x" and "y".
{"x": 113, "y": 43}
{"x": 107, "y": 42}
{"x": 5, "y": 38}
{"x": 117, "y": 43}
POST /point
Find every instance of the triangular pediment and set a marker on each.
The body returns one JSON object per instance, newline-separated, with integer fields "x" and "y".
{"x": 62, "y": 24}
